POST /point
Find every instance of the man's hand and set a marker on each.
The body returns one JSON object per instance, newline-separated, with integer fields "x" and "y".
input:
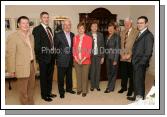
{"x": 114, "y": 63}
{"x": 128, "y": 56}
{"x": 123, "y": 57}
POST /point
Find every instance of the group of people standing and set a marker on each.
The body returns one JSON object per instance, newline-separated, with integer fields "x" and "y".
{"x": 131, "y": 46}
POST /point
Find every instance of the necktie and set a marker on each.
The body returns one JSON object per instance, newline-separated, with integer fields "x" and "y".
{"x": 126, "y": 36}
{"x": 49, "y": 35}
{"x": 139, "y": 34}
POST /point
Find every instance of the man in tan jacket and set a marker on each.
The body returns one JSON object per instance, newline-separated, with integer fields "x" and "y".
{"x": 128, "y": 37}
{"x": 20, "y": 59}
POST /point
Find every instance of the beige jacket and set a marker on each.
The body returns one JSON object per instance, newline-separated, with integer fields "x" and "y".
{"x": 127, "y": 51}
{"x": 18, "y": 55}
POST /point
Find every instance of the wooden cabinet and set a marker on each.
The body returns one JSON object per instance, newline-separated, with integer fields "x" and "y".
{"x": 101, "y": 15}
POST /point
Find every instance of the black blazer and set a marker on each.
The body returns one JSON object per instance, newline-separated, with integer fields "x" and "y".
{"x": 64, "y": 58}
{"x": 143, "y": 48}
{"x": 100, "y": 43}
{"x": 113, "y": 45}
{"x": 41, "y": 43}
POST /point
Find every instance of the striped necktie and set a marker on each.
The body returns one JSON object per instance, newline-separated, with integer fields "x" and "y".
{"x": 50, "y": 37}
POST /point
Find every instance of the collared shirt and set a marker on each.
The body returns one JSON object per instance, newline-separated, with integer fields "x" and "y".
{"x": 26, "y": 38}
{"x": 142, "y": 31}
{"x": 68, "y": 38}
{"x": 95, "y": 43}
{"x": 45, "y": 27}
{"x": 129, "y": 31}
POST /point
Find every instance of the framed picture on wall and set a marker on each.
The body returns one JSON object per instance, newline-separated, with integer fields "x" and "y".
{"x": 16, "y": 25}
{"x": 32, "y": 22}
{"x": 121, "y": 22}
{"x": 58, "y": 24}
{"x": 7, "y": 24}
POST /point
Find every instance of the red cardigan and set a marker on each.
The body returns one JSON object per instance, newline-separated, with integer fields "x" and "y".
{"x": 86, "y": 48}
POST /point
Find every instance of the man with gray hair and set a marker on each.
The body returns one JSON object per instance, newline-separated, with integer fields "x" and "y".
{"x": 128, "y": 36}
{"x": 64, "y": 59}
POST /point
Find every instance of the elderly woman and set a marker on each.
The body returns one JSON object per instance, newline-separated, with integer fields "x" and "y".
{"x": 82, "y": 45}
{"x": 112, "y": 56}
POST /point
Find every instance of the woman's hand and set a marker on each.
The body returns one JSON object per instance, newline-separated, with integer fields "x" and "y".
{"x": 82, "y": 60}
{"x": 102, "y": 61}
{"x": 79, "y": 62}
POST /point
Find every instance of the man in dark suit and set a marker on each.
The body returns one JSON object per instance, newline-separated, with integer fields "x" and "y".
{"x": 64, "y": 59}
{"x": 141, "y": 54}
{"x": 97, "y": 57}
{"x": 44, "y": 43}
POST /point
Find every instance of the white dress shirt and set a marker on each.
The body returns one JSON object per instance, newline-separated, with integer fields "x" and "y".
{"x": 95, "y": 43}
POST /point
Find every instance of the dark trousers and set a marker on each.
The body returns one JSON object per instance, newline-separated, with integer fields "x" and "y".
{"x": 64, "y": 72}
{"x": 139, "y": 72}
{"x": 111, "y": 74}
{"x": 95, "y": 71}
{"x": 126, "y": 72}
{"x": 46, "y": 77}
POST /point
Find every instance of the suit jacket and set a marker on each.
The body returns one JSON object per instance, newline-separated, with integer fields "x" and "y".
{"x": 143, "y": 48}
{"x": 100, "y": 43}
{"x": 18, "y": 55}
{"x": 64, "y": 58}
{"x": 42, "y": 43}
{"x": 129, "y": 42}
{"x": 113, "y": 44}
{"x": 85, "y": 48}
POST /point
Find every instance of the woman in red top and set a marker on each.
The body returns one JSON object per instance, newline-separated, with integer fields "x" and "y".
{"x": 82, "y": 46}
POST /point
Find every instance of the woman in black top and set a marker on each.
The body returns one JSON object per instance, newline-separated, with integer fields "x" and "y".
{"x": 112, "y": 55}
